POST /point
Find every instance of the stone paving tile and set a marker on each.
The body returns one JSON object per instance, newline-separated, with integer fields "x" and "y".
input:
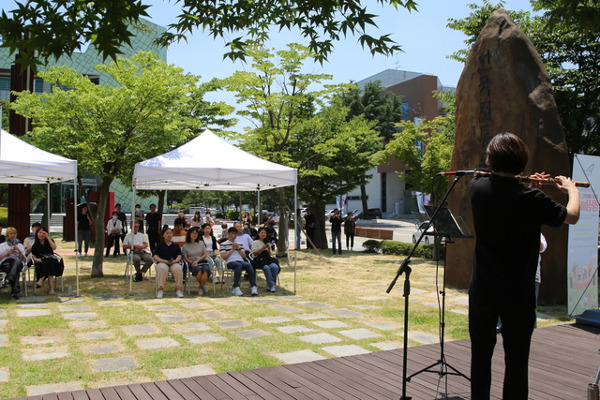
{"x": 383, "y": 326}
{"x": 540, "y": 315}
{"x": 47, "y": 353}
{"x": 192, "y": 326}
{"x": 2, "y": 313}
{"x": 330, "y": 324}
{"x": 267, "y": 300}
{"x": 114, "y": 364}
{"x": 461, "y": 300}
{"x": 360, "y": 333}
{"x": 212, "y": 314}
{"x": 162, "y": 307}
{"x": 365, "y": 307}
{"x": 205, "y": 338}
{"x": 3, "y": 323}
{"x": 423, "y": 337}
{"x": 313, "y": 304}
{"x": 376, "y": 298}
{"x": 32, "y": 313}
{"x": 308, "y": 317}
{"x": 345, "y": 350}
{"x": 459, "y": 311}
{"x": 88, "y": 324}
{"x": 299, "y": 356}
{"x": 80, "y": 316}
{"x": 140, "y": 329}
{"x": 417, "y": 291}
{"x": 38, "y": 340}
{"x": 232, "y": 324}
{"x": 320, "y": 338}
{"x": 294, "y": 329}
{"x": 187, "y": 372}
{"x": 389, "y": 345}
{"x": 74, "y": 307}
{"x": 286, "y": 309}
{"x": 233, "y": 302}
{"x": 37, "y": 390}
{"x": 251, "y": 334}
{"x": 171, "y": 317}
{"x": 195, "y": 305}
{"x": 71, "y": 300}
{"x": 105, "y": 296}
{"x": 156, "y": 343}
{"x": 3, "y": 340}
{"x": 87, "y": 336}
{"x": 4, "y": 374}
{"x": 111, "y": 303}
{"x": 344, "y": 312}
{"x": 102, "y": 348}
{"x": 430, "y": 304}
{"x": 273, "y": 320}
{"x": 31, "y": 299}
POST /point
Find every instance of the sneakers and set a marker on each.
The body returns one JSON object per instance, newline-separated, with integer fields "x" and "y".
{"x": 237, "y": 291}
{"x": 179, "y": 293}
{"x": 138, "y": 277}
{"x": 159, "y": 294}
{"x": 200, "y": 292}
{"x": 272, "y": 288}
{"x": 254, "y": 291}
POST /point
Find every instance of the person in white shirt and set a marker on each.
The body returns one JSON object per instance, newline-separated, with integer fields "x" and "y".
{"x": 114, "y": 229}
{"x": 237, "y": 259}
{"x": 137, "y": 243}
{"x": 243, "y": 238}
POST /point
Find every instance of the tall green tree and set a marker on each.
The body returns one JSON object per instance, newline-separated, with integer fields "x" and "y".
{"x": 379, "y": 105}
{"x": 568, "y": 44}
{"x": 51, "y": 28}
{"x": 109, "y": 129}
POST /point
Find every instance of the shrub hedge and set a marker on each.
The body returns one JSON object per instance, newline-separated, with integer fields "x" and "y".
{"x": 391, "y": 247}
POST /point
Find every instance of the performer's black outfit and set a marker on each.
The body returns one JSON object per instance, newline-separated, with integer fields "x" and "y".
{"x": 508, "y": 217}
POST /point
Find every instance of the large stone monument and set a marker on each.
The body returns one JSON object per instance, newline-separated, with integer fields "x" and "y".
{"x": 505, "y": 87}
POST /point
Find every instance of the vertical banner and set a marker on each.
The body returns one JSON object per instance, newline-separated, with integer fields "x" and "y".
{"x": 582, "y": 261}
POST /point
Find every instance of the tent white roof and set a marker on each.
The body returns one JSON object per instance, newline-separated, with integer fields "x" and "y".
{"x": 211, "y": 163}
{"x": 22, "y": 163}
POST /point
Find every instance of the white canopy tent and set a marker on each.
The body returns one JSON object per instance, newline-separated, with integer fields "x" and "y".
{"x": 23, "y": 163}
{"x": 208, "y": 162}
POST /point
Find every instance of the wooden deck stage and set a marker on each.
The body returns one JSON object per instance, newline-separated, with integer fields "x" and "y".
{"x": 564, "y": 359}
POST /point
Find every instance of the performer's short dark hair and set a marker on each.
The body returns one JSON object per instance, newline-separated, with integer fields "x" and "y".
{"x": 507, "y": 153}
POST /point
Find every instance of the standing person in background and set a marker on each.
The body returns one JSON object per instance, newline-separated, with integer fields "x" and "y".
{"x": 349, "y": 231}
{"x": 309, "y": 220}
{"x": 153, "y": 226}
{"x": 508, "y": 217}
{"x": 336, "y": 231}
{"x": 139, "y": 217}
{"x": 123, "y": 218}
{"x": 84, "y": 223}
{"x": 208, "y": 219}
{"x": 114, "y": 229}
{"x": 223, "y": 236}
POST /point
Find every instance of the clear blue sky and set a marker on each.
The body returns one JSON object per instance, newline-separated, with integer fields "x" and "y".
{"x": 423, "y": 35}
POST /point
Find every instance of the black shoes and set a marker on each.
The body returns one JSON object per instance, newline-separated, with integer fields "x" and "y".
{"x": 4, "y": 284}
{"x": 138, "y": 277}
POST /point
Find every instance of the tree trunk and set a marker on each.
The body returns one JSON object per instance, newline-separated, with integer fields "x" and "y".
{"x": 100, "y": 227}
{"x": 283, "y": 223}
{"x": 320, "y": 234}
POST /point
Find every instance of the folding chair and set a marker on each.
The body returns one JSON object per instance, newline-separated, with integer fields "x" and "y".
{"x": 62, "y": 281}
{"x": 23, "y": 278}
{"x": 188, "y": 275}
{"x": 171, "y": 278}
{"x": 129, "y": 267}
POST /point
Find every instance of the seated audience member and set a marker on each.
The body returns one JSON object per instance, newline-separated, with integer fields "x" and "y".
{"x": 263, "y": 259}
{"x": 12, "y": 256}
{"x": 246, "y": 217}
{"x": 243, "y": 238}
{"x": 139, "y": 216}
{"x": 47, "y": 264}
{"x": 179, "y": 233}
{"x": 250, "y": 230}
{"x": 184, "y": 221}
{"x": 208, "y": 219}
{"x": 2, "y": 237}
{"x": 28, "y": 242}
{"x": 212, "y": 250}
{"x": 137, "y": 243}
{"x": 223, "y": 236}
{"x": 197, "y": 220}
{"x": 168, "y": 257}
{"x": 271, "y": 232}
{"x": 114, "y": 229}
{"x": 194, "y": 253}
{"x": 237, "y": 259}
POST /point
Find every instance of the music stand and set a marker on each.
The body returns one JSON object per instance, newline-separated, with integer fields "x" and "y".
{"x": 445, "y": 225}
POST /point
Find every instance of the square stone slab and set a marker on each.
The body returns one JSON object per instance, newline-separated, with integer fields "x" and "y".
{"x": 273, "y": 320}
{"x": 23, "y": 301}
{"x": 377, "y": 298}
{"x": 71, "y": 300}
{"x": 187, "y": 372}
{"x": 345, "y": 313}
{"x": 360, "y": 333}
{"x": 308, "y": 317}
{"x": 140, "y": 329}
{"x": 330, "y": 324}
{"x": 294, "y": 329}
{"x": 74, "y": 307}
{"x": 156, "y": 343}
{"x": 2, "y": 313}
{"x": 212, "y": 314}
{"x": 4, "y": 374}
{"x": 345, "y": 350}
{"x": 162, "y": 307}
{"x": 38, "y": 340}
{"x": 37, "y": 390}
{"x": 320, "y": 338}
{"x": 383, "y": 326}
{"x": 268, "y": 300}
{"x": 251, "y": 334}
{"x": 232, "y": 324}
{"x": 461, "y": 300}
{"x": 233, "y": 302}
{"x": 313, "y": 304}
{"x": 80, "y": 316}
{"x": 87, "y": 336}
{"x": 459, "y": 311}
{"x": 299, "y": 356}
{"x": 390, "y": 345}
{"x": 88, "y": 324}
{"x": 111, "y": 303}
{"x": 286, "y": 309}
{"x": 3, "y": 323}
{"x": 32, "y": 313}
{"x": 114, "y": 364}
{"x": 365, "y": 307}
{"x": 422, "y": 337}
{"x": 171, "y": 317}
{"x": 191, "y": 327}
{"x": 205, "y": 338}
{"x": 102, "y": 348}
{"x": 3, "y": 340}
{"x": 47, "y": 353}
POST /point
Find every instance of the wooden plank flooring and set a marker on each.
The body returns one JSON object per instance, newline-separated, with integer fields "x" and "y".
{"x": 564, "y": 359}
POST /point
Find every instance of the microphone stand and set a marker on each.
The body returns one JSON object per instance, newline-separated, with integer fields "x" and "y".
{"x": 404, "y": 268}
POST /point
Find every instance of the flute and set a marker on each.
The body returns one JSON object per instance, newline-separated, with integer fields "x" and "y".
{"x": 544, "y": 181}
